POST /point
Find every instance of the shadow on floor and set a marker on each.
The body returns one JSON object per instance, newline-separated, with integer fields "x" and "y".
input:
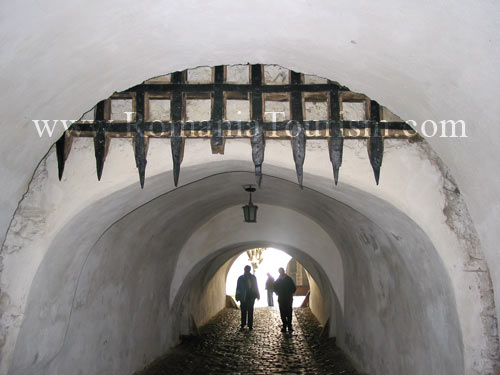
{"x": 222, "y": 348}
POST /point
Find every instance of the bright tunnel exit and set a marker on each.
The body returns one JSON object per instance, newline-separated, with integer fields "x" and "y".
{"x": 269, "y": 261}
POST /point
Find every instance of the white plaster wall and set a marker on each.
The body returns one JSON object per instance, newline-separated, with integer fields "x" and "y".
{"x": 207, "y": 294}
{"x": 317, "y": 304}
{"x": 411, "y": 180}
{"x": 421, "y": 59}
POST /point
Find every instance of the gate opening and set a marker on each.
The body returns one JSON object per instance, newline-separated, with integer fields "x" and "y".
{"x": 264, "y": 261}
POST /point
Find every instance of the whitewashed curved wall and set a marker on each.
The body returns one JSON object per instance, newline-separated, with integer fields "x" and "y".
{"x": 423, "y": 60}
{"x": 79, "y": 248}
{"x": 430, "y": 60}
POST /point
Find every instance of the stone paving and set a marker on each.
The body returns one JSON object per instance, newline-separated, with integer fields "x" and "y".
{"x": 222, "y": 348}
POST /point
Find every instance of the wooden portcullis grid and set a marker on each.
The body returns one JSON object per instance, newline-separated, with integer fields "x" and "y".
{"x": 334, "y": 128}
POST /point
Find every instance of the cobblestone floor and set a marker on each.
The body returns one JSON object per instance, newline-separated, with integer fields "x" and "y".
{"x": 222, "y": 349}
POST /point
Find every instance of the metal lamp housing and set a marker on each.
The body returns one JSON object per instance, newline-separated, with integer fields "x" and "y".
{"x": 250, "y": 210}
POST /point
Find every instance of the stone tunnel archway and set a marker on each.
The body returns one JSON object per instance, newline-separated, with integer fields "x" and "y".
{"x": 107, "y": 266}
{"x": 117, "y": 258}
{"x": 191, "y": 296}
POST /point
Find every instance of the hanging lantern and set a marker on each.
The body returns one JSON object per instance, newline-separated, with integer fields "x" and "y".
{"x": 250, "y": 210}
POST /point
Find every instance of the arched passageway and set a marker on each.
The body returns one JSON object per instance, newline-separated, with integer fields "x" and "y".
{"x": 114, "y": 275}
{"x": 206, "y": 287}
{"x": 221, "y": 346}
{"x": 125, "y": 290}
{"x": 425, "y": 60}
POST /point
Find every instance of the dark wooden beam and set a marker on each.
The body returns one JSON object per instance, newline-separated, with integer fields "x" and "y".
{"x": 217, "y": 141}
{"x": 298, "y": 129}
{"x": 239, "y": 127}
{"x": 231, "y": 87}
{"x": 258, "y": 140}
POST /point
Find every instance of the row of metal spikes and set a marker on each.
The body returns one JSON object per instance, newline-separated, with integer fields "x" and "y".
{"x": 335, "y": 147}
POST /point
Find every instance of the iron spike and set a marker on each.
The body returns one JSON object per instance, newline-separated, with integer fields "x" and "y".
{"x": 177, "y": 145}
{"x": 100, "y": 148}
{"x": 140, "y": 143}
{"x": 258, "y": 143}
{"x": 376, "y": 142}
{"x": 336, "y": 148}
{"x": 299, "y": 149}
{"x": 60, "y": 152}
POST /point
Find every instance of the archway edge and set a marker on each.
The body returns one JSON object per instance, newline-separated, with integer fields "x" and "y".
{"x": 209, "y": 265}
{"x": 287, "y": 175}
{"x": 205, "y": 243}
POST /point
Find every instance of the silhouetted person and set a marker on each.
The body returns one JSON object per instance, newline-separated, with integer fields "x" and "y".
{"x": 284, "y": 287}
{"x": 270, "y": 289}
{"x": 246, "y": 292}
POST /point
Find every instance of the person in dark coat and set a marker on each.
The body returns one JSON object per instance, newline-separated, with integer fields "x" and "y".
{"x": 246, "y": 292}
{"x": 270, "y": 289}
{"x": 284, "y": 287}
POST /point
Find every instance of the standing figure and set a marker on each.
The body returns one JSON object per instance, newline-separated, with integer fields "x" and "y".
{"x": 246, "y": 292}
{"x": 270, "y": 289}
{"x": 285, "y": 288}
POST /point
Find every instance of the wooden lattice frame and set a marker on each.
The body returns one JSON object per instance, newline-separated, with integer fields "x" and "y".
{"x": 218, "y": 128}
